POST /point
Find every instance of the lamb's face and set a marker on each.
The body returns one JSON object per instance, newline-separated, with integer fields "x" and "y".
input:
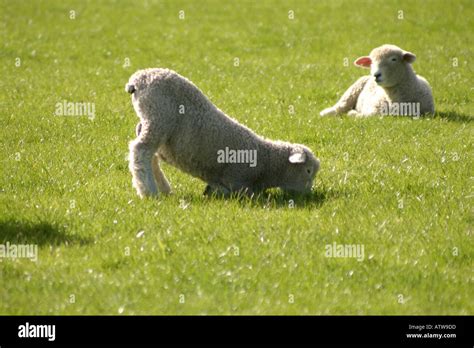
{"x": 301, "y": 170}
{"x": 388, "y": 65}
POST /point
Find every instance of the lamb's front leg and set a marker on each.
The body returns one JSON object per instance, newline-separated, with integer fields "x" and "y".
{"x": 355, "y": 113}
{"x": 140, "y": 165}
{"x": 161, "y": 181}
{"x": 348, "y": 100}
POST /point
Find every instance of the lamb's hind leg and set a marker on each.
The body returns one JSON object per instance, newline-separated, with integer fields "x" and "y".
{"x": 161, "y": 181}
{"x": 142, "y": 150}
{"x": 348, "y": 100}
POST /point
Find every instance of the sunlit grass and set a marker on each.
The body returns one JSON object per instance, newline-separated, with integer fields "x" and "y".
{"x": 400, "y": 187}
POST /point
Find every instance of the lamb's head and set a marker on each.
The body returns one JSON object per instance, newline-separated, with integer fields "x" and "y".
{"x": 301, "y": 169}
{"x": 140, "y": 86}
{"x": 136, "y": 82}
{"x": 141, "y": 80}
{"x": 388, "y": 65}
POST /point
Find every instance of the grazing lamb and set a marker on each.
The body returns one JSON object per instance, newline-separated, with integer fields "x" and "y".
{"x": 392, "y": 88}
{"x": 180, "y": 125}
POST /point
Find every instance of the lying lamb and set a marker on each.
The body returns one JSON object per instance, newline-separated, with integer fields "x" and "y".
{"x": 392, "y": 88}
{"x": 181, "y": 126}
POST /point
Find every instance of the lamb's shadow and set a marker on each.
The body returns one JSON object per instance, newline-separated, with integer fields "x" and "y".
{"x": 274, "y": 199}
{"x": 454, "y": 117}
{"x": 39, "y": 233}
{"x": 281, "y": 199}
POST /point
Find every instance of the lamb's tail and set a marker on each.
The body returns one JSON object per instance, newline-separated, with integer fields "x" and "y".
{"x": 129, "y": 88}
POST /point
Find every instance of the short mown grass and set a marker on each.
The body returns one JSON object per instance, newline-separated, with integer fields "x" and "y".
{"x": 399, "y": 187}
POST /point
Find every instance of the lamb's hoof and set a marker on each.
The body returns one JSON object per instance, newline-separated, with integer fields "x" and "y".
{"x": 143, "y": 191}
{"x": 328, "y": 112}
{"x": 145, "y": 195}
{"x": 166, "y": 192}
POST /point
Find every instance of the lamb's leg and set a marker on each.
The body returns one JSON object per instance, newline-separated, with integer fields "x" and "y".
{"x": 142, "y": 151}
{"x": 348, "y": 100}
{"x": 161, "y": 181}
{"x": 355, "y": 113}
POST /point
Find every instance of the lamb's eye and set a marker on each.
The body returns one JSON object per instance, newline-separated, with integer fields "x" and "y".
{"x": 309, "y": 171}
{"x": 394, "y": 59}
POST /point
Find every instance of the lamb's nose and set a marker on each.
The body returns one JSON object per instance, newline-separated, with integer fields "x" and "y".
{"x": 377, "y": 75}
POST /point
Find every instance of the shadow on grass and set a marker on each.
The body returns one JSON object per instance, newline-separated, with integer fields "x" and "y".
{"x": 281, "y": 199}
{"x": 42, "y": 233}
{"x": 275, "y": 198}
{"x": 454, "y": 117}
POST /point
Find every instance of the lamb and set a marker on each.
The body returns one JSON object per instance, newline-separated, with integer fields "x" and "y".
{"x": 181, "y": 126}
{"x": 392, "y": 88}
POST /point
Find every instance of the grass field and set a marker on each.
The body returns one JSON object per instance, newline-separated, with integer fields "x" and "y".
{"x": 399, "y": 187}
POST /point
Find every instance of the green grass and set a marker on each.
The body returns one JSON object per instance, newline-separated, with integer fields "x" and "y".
{"x": 400, "y": 187}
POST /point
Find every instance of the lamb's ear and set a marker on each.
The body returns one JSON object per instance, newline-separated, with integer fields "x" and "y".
{"x": 298, "y": 157}
{"x": 363, "y": 62}
{"x": 409, "y": 57}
